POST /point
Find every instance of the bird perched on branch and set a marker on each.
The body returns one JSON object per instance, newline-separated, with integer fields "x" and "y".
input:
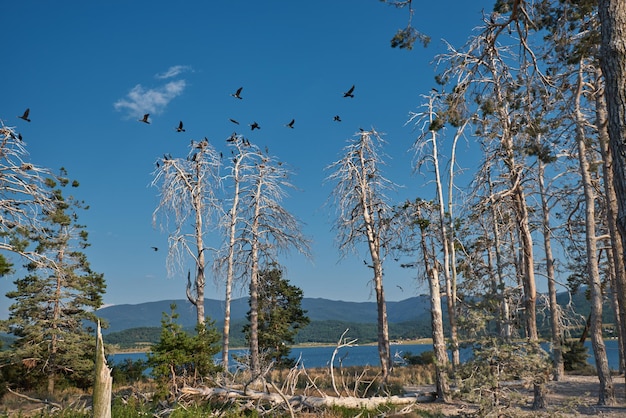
{"x": 145, "y": 118}
{"x": 349, "y": 92}
{"x": 25, "y": 115}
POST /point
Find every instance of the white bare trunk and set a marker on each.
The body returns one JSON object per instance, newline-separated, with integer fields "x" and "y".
{"x": 606, "y": 395}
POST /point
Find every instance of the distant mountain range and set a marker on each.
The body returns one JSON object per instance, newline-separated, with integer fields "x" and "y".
{"x": 149, "y": 314}
{"x": 415, "y": 310}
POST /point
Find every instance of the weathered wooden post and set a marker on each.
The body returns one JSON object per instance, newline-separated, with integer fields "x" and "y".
{"x": 103, "y": 383}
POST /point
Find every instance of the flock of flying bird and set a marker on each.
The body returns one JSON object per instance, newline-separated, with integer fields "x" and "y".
{"x": 180, "y": 128}
{"x": 254, "y": 125}
{"x": 237, "y": 95}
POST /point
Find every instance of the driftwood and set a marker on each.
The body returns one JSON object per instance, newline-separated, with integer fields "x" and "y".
{"x": 28, "y": 398}
{"x": 308, "y": 401}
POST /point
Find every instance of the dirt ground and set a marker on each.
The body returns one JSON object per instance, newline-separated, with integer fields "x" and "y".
{"x": 575, "y": 396}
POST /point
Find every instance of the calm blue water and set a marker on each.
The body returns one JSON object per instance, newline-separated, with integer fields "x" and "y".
{"x": 364, "y": 355}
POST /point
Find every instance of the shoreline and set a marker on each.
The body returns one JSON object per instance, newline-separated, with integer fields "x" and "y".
{"x": 140, "y": 350}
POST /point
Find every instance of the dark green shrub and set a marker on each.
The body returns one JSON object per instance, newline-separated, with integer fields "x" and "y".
{"x": 427, "y": 357}
{"x": 181, "y": 359}
{"x": 129, "y": 371}
{"x": 575, "y": 356}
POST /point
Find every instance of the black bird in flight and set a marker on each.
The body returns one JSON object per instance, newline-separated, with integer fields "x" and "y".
{"x": 254, "y": 126}
{"x": 349, "y": 92}
{"x": 25, "y": 115}
{"x": 234, "y": 121}
{"x": 337, "y": 118}
{"x": 180, "y": 127}
{"x": 237, "y": 94}
{"x": 290, "y": 124}
{"x": 155, "y": 248}
{"x": 145, "y": 118}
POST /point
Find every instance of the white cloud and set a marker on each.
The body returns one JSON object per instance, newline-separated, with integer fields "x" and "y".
{"x": 173, "y": 71}
{"x": 140, "y": 100}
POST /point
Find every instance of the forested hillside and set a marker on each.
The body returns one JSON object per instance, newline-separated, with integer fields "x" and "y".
{"x": 409, "y": 319}
{"x": 121, "y": 317}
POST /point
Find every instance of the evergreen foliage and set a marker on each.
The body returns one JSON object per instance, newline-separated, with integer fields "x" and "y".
{"x": 496, "y": 361}
{"x": 575, "y": 356}
{"x": 280, "y": 316}
{"x": 183, "y": 359}
{"x": 53, "y": 301}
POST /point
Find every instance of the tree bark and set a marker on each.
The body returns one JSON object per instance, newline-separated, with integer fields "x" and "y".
{"x": 555, "y": 312}
{"x": 439, "y": 342}
{"x": 613, "y": 63}
{"x": 447, "y": 249}
{"x": 198, "y": 300}
{"x": 617, "y": 248}
{"x": 255, "y": 362}
{"x": 309, "y": 401}
{"x": 230, "y": 270}
{"x": 606, "y": 395}
{"x": 103, "y": 381}
{"x": 372, "y": 231}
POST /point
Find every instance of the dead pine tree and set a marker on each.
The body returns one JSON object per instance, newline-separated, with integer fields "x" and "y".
{"x": 365, "y": 216}
{"x": 606, "y": 394}
{"x": 486, "y": 77}
{"x": 103, "y": 381}
{"x": 266, "y": 230}
{"x": 241, "y": 166}
{"x": 421, "y": 222}
{"x": 23, "y": 195}
{"x": 188, "y": 196}
{"x": 427, "y": 147}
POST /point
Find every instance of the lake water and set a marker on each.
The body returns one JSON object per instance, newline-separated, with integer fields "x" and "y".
{"x": 362, "y": 355}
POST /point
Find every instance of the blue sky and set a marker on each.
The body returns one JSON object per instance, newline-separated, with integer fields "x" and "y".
{"x": 89, "y": 70}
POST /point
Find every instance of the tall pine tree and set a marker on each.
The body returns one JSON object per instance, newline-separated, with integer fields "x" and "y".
{"x": 53, "y": 301}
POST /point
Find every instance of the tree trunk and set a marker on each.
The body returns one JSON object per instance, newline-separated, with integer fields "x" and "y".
{"x": 446, "y": 247}
{"x": 520, "y": 209}
{"x": 230, "y": 272}
{"x": 439, "y": 341}
{"x": 255, "y": 362}
{"x": 505, "y": 314}
{"x": 612, "y": 208}
{"x": 372, "y": 231}
{"x": 196, "y": 297}
{"x": 555, "y": 311}
{"x": 384, "y": 350}
{"x": 613, "y": 63}
{"x": 103, "y": 381}
{"x": 606, "y": 394}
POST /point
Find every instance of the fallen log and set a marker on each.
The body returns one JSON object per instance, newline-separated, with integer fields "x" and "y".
{"x": 309, "y": 401}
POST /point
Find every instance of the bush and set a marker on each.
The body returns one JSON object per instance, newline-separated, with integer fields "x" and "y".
{"x": 129, "y": 371}
{"x": 181, "y": 359}
{"x": 575, "y": 357}
{"x": 422, "y": 359}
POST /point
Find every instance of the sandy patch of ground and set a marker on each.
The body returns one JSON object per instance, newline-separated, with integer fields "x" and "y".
{"x": 575, "y": 396}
